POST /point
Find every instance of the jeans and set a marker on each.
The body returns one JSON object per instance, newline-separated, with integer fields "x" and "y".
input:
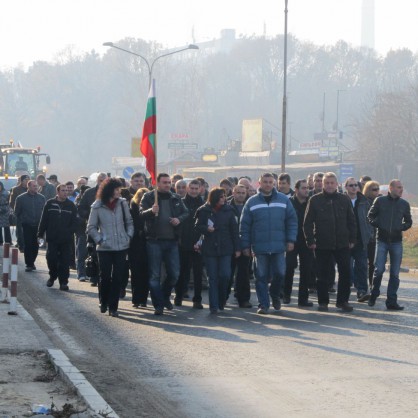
{"x": 190, "y": 259}
{"x": 324, "y": 259}
{"x": 58, "y": 258}
{"x": 305, "y": 267}
{"x": 371, "y": 254}
{"x": 81, "y": 254}
{"x": 111, "y": 264}
{"x": 395, "y": 250}
{"x": 359, "y": 268}
{"x": 219, "y": 272}
{"x": 266, "y": 267}
{"x": 159, "y": 251}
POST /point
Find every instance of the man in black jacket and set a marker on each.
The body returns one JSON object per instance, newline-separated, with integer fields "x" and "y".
{"x": 299, "y": 201}
{"x": 242, "y": 263}
{"x": 330, "y": 230}
{"x": 28, "y": 209}
{"x": 390, "y": 215}
{"x": 162, "y": 220}
{"x": 189, "y": 257}
{"x": 58, "y": 221}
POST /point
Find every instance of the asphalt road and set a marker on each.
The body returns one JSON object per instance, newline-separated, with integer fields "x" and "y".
{"x": 294, "y": 363}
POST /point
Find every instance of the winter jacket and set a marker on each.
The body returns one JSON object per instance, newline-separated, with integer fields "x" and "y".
{"x": 329, "y": 221}
{"x": 48, "y": 191}
{"x": 267, "y": 227}
{"x": 4, "y": 209}
{"x": 189, "y": 235}
{"x": 177, "y": 209}
{"x": 362, "y": 207}
{"x": 111, "y": 230}
{"x": 29, "y": 207}
{"x": 58, "y": 220}
{"x": 300, "y": 209}
{"x": 15, "y": 193}
{"x": 390, "y": 216}
{"x": 84, "y": 207}
{"x": 224, "y": 240}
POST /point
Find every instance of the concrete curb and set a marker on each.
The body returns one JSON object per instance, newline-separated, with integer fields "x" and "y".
{"x": 76, "y": 379}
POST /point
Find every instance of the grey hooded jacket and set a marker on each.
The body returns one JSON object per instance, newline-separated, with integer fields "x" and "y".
{"x": 108, "y": 228}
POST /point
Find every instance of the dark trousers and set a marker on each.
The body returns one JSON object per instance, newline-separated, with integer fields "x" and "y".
{"x": 58, "y": 258}
{"x": 20, "y": 235}
{"x": 305, "y": 266}
{"x": 31, "y": 243}
{"x": 371, "y": 253}
{"x": 190, "y": 259}
{"x": 242, "y": 288}
{"x": 7, "y": 235}
{"x": 138, "y": 263}
{"x": 111, "y": 265}
{"x": 324, "y": 258}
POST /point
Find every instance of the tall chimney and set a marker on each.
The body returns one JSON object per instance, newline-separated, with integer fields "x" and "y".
{"x": 367, "y": 24}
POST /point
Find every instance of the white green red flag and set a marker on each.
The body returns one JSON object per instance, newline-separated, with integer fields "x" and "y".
{"x": 149, "y": 135}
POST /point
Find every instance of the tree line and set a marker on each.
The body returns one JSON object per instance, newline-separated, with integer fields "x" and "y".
{"x": 84, "y": 109}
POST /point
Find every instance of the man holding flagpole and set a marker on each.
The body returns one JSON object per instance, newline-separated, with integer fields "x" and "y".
{"x": 163, "y": 212}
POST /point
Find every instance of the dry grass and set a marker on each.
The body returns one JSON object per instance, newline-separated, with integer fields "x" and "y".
{"x": 410, "y": 253}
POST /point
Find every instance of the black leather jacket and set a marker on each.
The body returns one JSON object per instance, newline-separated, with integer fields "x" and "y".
{"x": 390, "y": 216}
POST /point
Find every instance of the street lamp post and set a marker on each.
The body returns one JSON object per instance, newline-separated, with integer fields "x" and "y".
{"x": 284, "y": 112}
{"x": 150, "y": 66}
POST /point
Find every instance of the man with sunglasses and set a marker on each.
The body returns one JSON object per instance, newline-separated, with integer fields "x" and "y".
{"x": 359, "y": 267}
{"x": 391, "y": 215}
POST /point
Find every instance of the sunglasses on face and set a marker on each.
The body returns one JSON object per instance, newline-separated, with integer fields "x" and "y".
{"x": 352, "y": 185}
{"x": 375, "y": 190}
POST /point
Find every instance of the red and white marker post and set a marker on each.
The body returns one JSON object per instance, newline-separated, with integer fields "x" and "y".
{"x": 13, "y": 283}
{"x": 5, "y": 280}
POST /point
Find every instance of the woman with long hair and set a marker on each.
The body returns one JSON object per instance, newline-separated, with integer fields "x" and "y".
{"x": 216, "y": 221}
{"x": 4, "y": 215}
{"x": 137, "y": 254}
{"x": 371, "y": 190}
{"x": 110, "y": 225}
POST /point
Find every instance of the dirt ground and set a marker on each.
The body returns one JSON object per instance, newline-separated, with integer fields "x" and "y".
{"x": 29, "y": 379}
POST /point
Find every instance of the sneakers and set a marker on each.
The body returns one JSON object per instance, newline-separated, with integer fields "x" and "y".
{"x": 344, "y": 306}
{"x": 394, "y": 307}
{"x": 64, "y": 287}
{"x": 82, "y": 279}
{"x": 197, "y": 305}
{"x": 363, "y": 297}
{"x": 277, "y": 305}
{"x": 262, "y": 311}
{"x": 50, "y": 282}
{"x": 372, "y": 300}
{"x": 323, "y": 307}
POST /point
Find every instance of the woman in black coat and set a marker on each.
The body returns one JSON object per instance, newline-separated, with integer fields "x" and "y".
{"x": 216, "y": 221}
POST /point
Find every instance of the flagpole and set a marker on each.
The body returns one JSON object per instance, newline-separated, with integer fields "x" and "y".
{"x": 152, "y": 82}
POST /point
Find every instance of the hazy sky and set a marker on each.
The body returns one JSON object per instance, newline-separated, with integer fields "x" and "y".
{"x": 33, "y": 30}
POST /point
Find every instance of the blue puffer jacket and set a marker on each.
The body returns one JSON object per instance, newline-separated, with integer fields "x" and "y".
{"x": 266, "y": 228}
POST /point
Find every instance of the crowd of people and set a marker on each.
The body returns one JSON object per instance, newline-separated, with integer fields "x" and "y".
{"x": 159, "y": 237}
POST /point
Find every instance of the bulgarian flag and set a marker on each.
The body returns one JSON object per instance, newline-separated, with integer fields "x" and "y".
{"x": 149, "y": 135}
